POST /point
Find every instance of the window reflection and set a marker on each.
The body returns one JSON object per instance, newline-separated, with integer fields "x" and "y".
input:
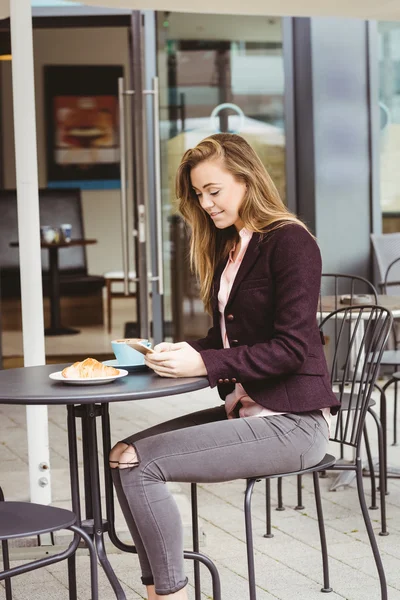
{"x": 217, "y": 73}
{"x": 389, "y": 69}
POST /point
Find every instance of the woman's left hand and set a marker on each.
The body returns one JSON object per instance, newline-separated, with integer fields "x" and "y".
{"x": 182, "y": 361}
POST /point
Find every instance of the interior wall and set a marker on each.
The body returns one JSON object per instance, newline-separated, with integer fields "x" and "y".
{"x": 80, "y": 46}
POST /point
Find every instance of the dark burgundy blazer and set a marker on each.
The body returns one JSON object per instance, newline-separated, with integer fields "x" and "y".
{"x": 276, "y": 351}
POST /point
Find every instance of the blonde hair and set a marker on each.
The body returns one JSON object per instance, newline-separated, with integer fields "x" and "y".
{"x": 261, "y": 206}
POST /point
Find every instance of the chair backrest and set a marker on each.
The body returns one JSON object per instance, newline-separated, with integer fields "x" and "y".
{"x": 341, "y": 284}
{"x": 387, "y": 248}
{"x": 56, "y": 207}
{"x": 361, "y": 334}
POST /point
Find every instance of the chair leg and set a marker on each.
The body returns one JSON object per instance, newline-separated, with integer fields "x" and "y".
{"x": 370, "y": 531}
{"x": 6, "y": 559}
{"x": 395, "y": 415}
{"x": 374, "y": 505}
{"x": 249, "y": 538}
{"x": 6, "y": 564}
{"x": 280, "y": 500}
{"x": 195, "y": 536}
{"x": 321, "y": 526}
{"x": 93, "y": 560}
{"x": 383, "y": 420}
{"x": 268, "y": 533}
{"x": 382, "y": 474}
{"x": 73, "y": 593}
{"x": 299, "y": 494}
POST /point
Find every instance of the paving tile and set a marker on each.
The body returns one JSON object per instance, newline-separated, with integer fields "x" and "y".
{"x": 288, "y": 566}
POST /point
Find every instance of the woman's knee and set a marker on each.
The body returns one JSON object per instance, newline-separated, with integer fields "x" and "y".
{"x": 115, "y": 454}
{"x": 123, "y": 456}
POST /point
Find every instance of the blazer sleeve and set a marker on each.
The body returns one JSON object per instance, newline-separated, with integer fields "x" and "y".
{"x": 295, "y": 264}
{"x": 211, "y": 341}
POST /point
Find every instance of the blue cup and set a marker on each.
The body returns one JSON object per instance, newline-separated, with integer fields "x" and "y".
{"x": 127, "y": 356}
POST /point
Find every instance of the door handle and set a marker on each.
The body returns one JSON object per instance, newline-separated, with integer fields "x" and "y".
{"x": 157, "y": 176}
{"x": 124, "y": 202}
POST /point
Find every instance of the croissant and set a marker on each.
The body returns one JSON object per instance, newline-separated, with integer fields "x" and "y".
{"x": 90, "y": 367}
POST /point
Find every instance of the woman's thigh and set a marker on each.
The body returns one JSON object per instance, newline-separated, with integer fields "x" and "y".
{"x": 234, "y": 449}
{"x": 209, "y": 415}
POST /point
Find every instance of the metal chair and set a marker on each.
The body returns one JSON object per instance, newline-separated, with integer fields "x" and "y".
{"x": 25, "y": 519}
{"x": 362, "y": 346}
{"x": 387, "y": 254}
{"x": 391, "y": 358}
{"x": 347, "y": 288}
{"x": 370, "y": 327}
{"x": 386, "y": 248}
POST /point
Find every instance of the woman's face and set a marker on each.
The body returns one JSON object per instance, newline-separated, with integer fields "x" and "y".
{"x": 219, "y": 193}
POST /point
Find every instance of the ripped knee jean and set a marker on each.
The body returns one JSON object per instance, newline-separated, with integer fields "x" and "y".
{"x": 204, "y": 447}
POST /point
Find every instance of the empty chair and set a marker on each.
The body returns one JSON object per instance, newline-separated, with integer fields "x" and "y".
{"x": 25, "y": 519}
{"x": 386, "y": 248}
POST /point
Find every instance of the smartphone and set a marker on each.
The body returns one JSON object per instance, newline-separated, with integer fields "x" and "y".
{"x": 140, "y": 348}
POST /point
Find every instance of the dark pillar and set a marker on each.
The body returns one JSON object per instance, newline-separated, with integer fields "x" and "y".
{"x": 335, "y": 100}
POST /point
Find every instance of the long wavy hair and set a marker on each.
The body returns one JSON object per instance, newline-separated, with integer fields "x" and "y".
{"x": 261, "y": 206}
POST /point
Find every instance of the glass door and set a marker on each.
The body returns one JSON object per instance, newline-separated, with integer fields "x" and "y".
{"x": 139, "y": 140}
{"x": 216, "y": 73}
{"x": 193, "y": 75}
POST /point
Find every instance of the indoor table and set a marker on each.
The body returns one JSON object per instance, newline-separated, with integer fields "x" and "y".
{"x": 55, "y": 309}
{"x": 32, "y": 386}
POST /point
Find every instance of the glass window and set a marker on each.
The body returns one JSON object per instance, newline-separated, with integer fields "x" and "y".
{"x": 389, "y": 71}
{"x": 217, "y": 73}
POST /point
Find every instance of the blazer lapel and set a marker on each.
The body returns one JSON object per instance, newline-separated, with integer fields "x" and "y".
{"x": 250, "y": 257}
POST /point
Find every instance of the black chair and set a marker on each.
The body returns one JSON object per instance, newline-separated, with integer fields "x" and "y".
{"x": 366, "y": 338}
{"x": 353, "y": 289}
{"x": 348, "y": 290}
{"x": 391, "y": 358}
{"x": 25, "y": 519}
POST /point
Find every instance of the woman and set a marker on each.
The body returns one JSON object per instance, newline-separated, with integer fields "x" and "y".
{"x": 259, "y": 269}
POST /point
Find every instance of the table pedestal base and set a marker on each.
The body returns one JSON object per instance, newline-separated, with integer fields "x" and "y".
{"x": 60, "y": 331}
{"x": 94, "y": 524}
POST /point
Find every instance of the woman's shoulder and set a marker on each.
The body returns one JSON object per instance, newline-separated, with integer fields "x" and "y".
{"x": 291, "y": 244}
{"x": 287, "y": 232}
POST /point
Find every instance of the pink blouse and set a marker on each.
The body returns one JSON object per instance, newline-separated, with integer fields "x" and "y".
{"x": 248, "y": 408}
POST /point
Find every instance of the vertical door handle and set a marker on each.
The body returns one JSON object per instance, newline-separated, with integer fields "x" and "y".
{"x": 157, "y": 170}
{"x": 124, "y": 203}
{"x": 157, "y": 175}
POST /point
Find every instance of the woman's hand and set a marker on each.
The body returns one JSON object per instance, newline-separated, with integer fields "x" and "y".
{"x": 166, "y": 347}
{"x": 176, "y": 360}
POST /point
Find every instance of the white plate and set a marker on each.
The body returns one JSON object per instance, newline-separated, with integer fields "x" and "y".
{"x": 90, "y": 381}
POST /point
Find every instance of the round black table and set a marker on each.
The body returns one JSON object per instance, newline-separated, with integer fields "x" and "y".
{"x": 32, "y": 386}
{"x": 56, "y": 328}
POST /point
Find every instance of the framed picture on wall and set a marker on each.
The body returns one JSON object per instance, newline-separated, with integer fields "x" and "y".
{"x": 82, "y": 129}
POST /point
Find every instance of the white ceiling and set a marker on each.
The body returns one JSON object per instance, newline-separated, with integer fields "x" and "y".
{"x": 385, "y": 10}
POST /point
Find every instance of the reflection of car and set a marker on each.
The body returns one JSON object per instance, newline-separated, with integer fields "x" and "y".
{"x": 200, "y": 127}
{"x": 267, "y": 140}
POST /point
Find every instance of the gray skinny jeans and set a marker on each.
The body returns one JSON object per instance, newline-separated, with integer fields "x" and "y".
{"x": 203, "y": 447}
